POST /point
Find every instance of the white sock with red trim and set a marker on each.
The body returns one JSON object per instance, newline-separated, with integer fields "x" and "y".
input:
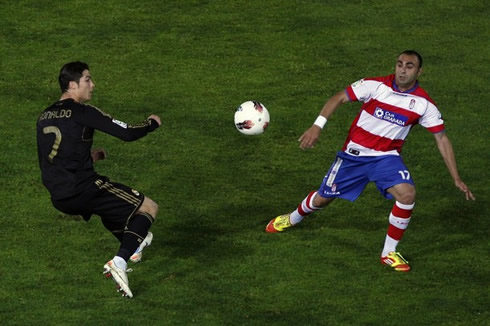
{"x": 399, "y": 219}
{"x": 304, "y": 209}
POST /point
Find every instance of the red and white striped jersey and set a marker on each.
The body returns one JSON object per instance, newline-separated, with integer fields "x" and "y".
{"x": 387, "y": 115}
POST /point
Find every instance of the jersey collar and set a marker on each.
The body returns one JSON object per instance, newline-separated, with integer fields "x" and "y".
{"x": 411, "y": 90}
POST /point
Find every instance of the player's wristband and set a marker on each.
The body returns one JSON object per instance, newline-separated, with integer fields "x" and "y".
{"x": 320, "y": 121}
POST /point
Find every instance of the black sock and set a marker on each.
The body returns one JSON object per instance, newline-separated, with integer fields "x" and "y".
{"x": 134, "y": 234}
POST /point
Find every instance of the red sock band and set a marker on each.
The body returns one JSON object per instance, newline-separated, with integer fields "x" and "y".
{"x": 309, "y": 208}
{"x": 395, "y": 233}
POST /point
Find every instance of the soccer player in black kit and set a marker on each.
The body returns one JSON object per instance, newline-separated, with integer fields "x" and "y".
{"x": 65, "y": 133}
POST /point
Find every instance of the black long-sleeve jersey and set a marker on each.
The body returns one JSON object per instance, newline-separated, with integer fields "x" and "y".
{"x": 65, "y": 133}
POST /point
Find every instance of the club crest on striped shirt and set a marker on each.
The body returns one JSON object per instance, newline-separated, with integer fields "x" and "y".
{"x": 412, "y": 104}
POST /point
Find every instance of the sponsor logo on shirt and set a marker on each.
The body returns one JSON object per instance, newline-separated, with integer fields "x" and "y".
{"x": 391, "y": 117}
{"x": 120, "y": 123}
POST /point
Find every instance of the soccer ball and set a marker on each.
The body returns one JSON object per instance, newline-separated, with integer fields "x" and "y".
{"x": 251, "y": 118}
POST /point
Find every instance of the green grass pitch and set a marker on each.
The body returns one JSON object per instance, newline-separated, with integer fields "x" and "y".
{"x": 193, "y": 62}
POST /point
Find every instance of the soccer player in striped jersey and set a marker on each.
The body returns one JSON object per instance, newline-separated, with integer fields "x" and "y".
{"x": 392, "y": 105}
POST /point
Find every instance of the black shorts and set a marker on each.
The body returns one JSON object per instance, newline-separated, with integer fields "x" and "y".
{"x": 115, "y": 203}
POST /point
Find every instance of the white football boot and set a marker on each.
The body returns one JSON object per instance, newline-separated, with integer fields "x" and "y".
{"x": 119, "y": 276}
{"x": 138, "y": 254}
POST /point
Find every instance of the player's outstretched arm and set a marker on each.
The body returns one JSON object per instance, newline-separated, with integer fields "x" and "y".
{"x": 97, "y": 119}
{"x": 447, "y": 152}
{"x": 309, "y": 138}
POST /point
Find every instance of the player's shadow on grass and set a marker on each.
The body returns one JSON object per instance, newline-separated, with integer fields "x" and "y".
{"x": 209, "y": 237}
{"x": 199, "y": 241}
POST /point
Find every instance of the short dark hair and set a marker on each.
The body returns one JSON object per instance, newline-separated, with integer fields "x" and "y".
{"x": 415, "y": 53}
{"x": 71, "y": 71}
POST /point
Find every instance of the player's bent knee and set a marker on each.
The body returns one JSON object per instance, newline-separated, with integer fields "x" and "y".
{"x": 407, "y": 198}
{"x": 149, "y": 207}
{"x": 320, "y": 201}
{"x": 403, "y": 193}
